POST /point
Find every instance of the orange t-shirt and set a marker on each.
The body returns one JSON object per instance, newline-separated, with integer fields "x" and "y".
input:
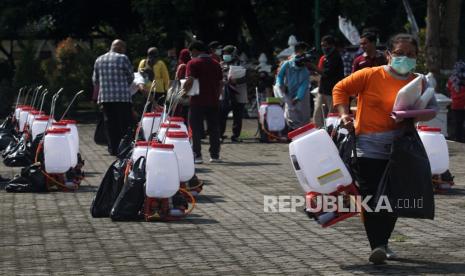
{"x": 376, "y": 92}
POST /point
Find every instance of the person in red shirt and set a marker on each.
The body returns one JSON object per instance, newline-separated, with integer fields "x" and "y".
{"x": 205, "y": 105}
{"x": 370, "y": 57}
{"x": 456, "y": 87}
{"x": 184, "y": 58}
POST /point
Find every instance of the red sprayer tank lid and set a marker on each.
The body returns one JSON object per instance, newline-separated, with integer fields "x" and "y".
{"x": 431, "y": 129}
{"x": 58, "y": 131}
{"x": 162, "y": 146}
{"x": 165, "y": 125}
{"x": 176, "y": 119}
{"x": 301, "y": 130}
{"x": 152, "y": 114}
{"x": 69, "y": 122}
{"x": 177, "y": 134}
{"x": 143, "y": 143}
{"x": 43, "y": 118}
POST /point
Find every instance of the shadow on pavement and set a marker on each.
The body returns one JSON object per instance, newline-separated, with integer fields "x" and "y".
{"x": 408, "y": 266}
{"x": 209, "y": 198}
{"x": 249, "y": 164}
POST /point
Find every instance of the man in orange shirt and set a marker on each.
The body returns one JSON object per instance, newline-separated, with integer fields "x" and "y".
{"x": 376, "y": 90}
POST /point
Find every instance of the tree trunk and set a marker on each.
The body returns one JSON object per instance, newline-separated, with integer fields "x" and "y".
{"x": 442, "y": 30}
{"x": 450, "y": 33}
{"x": 432, "y": 46}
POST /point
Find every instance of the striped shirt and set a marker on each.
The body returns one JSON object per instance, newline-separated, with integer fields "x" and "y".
{"x": 113, "y": 74}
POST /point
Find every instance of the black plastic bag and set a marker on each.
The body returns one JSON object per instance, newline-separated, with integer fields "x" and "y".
{"x": 30, "y": 180}
{"x": 7, "y": 124}
{"x": 109, "y": 189}
{"x": 347, "y": 150}
{"x": 6, "y": 137}
{"x": 126, "y": 144}
{"x": 21, "y": 157}
{"x": 128, "y": 205}
{"x": 407, "y": 180}
{"x": 100, "y": 134}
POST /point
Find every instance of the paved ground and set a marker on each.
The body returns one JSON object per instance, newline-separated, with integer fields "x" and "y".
{"x": 228, "y": 232}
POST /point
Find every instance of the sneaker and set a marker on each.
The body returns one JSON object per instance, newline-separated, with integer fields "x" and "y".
{"x": 378, "y": 255}
{"x": 215, "y": 160}
{"x": 390, "y": 254}
{"x": 198, "y": 160}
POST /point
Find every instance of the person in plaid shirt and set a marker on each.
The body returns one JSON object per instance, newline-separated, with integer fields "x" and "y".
{"x": 113, "y": 75}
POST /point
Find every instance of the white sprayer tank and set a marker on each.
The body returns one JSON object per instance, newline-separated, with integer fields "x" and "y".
{"x": 74, "y": 150}
{"x": 179, "y": 121}
{"x": 72, "y": 125}
{"x": 162, "y": 171}
{"x": 140, "y": 149}
{"x": 184, "y": 154}
{"x": 23, "y": 116}
{"x": 57, "y": 151}
{"x": 18, "y": 110}
{"x": 167, "y": 127}
{"x": 436, "y": 148}
{"x": 273, "y": 114}
{"x": 32, "y": 116}
{"x": 150, "y": 121}
{"x": 316, "y": 160}
{"x": 40, "y": 124}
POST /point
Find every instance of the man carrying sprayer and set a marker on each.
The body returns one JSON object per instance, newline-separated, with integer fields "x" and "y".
{"x": 293, "y": 80}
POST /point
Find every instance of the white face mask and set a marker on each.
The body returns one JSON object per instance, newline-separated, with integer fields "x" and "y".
{"x": 218, "y": 52}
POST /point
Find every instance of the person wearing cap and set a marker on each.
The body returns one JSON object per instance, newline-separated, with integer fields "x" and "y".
{"x": 234, "y": 94}
{"x": 205, "y": 105}
{"x": 113, "y": 75}
{"x": 154, "y": 68}
{"x": 215, "y": 50}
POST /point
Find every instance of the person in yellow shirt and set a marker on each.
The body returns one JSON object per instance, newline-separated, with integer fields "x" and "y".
{"x": 154, "y": 68}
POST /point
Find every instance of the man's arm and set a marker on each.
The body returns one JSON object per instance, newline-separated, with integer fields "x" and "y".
{"x": 95, "y": 74}
{"x": 129, "y": 72}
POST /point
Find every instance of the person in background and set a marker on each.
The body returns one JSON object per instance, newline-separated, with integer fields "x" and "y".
{"x": 184, "y": 58}
{"x": 113, "y": 75}
{"x": 347, "y": 58}
{"x": 205, "y": 105}
{"x": 155, "y": 69}
{"x": 376, "y": 90}
{"x": 293, "y": 80}
{"x": 456, "y": 87}
{"x": 331, "y": 70}
{"x": 216, "y": 50}
{"x": 172, "y": 62}
{"x": 370, "y": 57}
{"x": 234, "y": 96}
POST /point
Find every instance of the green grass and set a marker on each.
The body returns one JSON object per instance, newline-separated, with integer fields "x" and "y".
{"x": 399, "y": 238}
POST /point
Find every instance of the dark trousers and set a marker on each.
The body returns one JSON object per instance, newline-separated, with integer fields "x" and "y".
{"x": 378, "y": 226}
{"x": 459, "y": 118}
{"x": 238, "y": 114}
{"x": 196, "y": 116}
{"x": 118, "y": 118}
